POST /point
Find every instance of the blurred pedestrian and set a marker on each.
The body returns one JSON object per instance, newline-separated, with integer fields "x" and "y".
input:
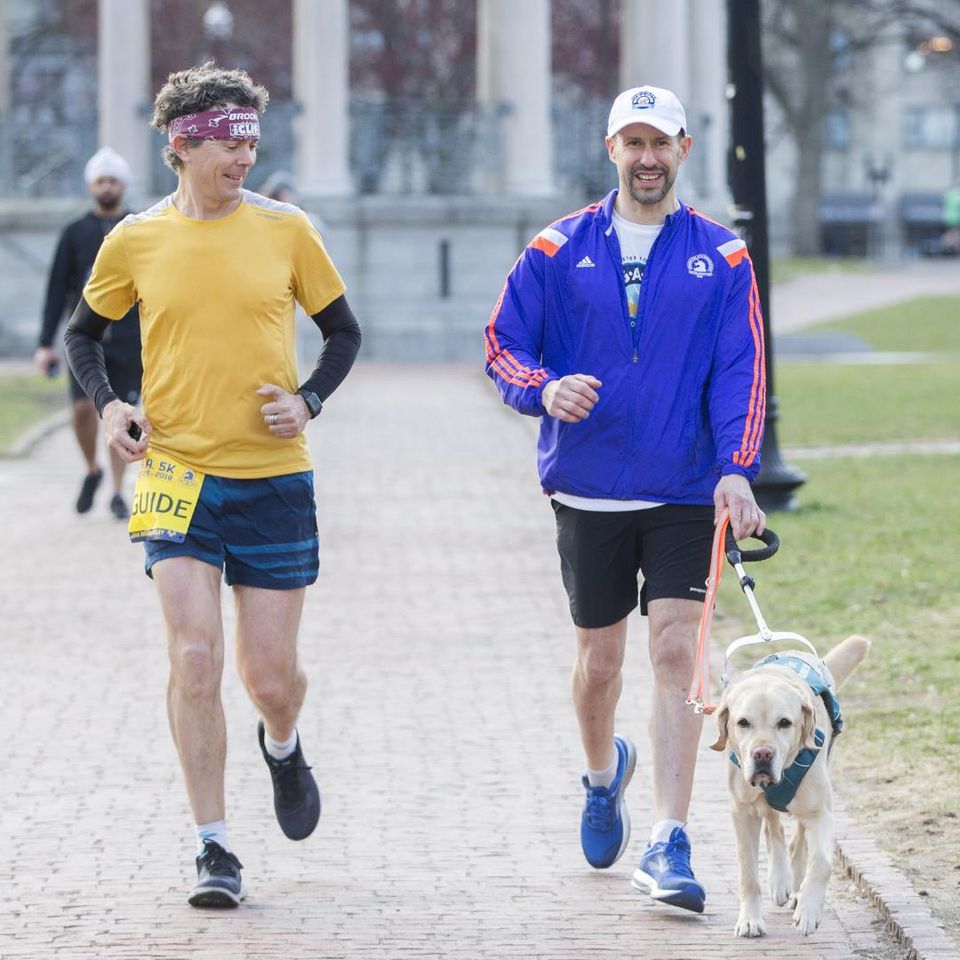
{"x": 227, "y": 482}
{"x": 632, "y": 329}
{"x": 280, "y": 186}
{"x": 107, "y": 176}
{"x": 951, "y": 219}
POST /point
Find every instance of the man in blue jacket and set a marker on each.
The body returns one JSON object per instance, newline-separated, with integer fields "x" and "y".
{"x": 632, "y": 328}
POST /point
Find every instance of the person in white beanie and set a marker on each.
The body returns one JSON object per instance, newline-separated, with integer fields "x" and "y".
{"x": 107, "y": 175}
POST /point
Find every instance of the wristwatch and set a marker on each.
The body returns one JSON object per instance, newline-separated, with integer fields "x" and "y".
{"x": 313, "y": 402}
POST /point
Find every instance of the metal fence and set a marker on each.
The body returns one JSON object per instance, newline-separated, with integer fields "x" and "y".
{"x": 396, "y": 147}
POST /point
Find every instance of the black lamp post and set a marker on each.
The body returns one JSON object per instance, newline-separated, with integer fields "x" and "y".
{"x": 777, "y": 480}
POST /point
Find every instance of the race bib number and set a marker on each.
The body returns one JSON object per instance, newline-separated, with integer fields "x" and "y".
{"x": 164, "y": 500}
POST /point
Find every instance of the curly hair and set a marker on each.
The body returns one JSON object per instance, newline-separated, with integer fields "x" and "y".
{"x": 202, "y": 88}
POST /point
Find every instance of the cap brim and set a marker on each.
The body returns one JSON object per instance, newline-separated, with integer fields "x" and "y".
{"x": 664, "y": 126}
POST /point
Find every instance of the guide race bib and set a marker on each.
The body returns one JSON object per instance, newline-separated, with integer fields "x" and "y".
{"x": 164, "y": 499}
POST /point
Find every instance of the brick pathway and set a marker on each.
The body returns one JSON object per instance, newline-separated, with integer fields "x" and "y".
{"x": 438, "y": 721}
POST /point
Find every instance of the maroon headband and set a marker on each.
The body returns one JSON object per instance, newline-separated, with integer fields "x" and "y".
{"x": 235, "y": 123}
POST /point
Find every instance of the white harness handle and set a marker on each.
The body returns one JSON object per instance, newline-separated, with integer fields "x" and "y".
{"x": 764, "y": 634}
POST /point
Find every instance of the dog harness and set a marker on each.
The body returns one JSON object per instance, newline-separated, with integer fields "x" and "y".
{"x": 779, "y": 795}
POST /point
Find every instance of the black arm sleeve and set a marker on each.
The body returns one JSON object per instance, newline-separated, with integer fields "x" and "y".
{"x": 341, "y": 342}
{"x": 59, "y": 285}
{"x": 85, "y": 355}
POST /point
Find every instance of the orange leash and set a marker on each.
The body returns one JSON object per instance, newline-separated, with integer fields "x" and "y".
{"x": 700, "y": 684}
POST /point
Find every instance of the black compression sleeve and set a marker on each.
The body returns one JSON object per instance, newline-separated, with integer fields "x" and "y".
{"x": 85, "y": 355}
{"x": 341, "y": 342}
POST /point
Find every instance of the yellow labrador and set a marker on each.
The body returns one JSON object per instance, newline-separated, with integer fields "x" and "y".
{"x": 778, "y": 721}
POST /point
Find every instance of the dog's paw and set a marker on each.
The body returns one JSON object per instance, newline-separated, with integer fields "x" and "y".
{"x": 780, "y": 890}
{"x": 749, "y": 927}
{"x": 806, "y": 921}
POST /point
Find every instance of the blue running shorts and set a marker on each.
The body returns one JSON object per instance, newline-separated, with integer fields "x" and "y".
{"x": 261, "y": 533}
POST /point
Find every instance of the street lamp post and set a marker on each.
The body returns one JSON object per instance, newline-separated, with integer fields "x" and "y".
{"x": 777, "y": 480}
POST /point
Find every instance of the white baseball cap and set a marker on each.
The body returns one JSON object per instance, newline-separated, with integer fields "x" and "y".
{"x": 106, "y": 163}
{"x": 654, "y": 105}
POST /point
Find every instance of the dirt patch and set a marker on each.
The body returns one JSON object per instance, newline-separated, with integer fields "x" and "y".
{"x": 919, "y": 829}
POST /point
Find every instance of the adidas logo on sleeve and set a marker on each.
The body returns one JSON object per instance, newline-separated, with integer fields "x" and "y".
{"x": 586, "y": 262}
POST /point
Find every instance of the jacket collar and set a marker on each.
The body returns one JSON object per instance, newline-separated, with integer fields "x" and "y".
{"x": 604, "y": 215}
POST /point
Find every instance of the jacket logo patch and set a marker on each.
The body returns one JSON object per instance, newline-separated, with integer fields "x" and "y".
{"x": 586, "y": 262}
{"x": 700, "y": 266}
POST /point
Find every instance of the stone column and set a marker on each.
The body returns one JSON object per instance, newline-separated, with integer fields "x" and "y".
{"x": 4, "y": 60}
{"x": 653, "y": 45}
{"x": 513, "y": 86}
{"x": 321, "y": 50}
{"x": 707, "y": 104}
{"x": 123, "y": 97}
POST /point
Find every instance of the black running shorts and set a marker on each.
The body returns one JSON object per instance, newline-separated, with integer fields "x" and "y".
{"x": 601, "y": 555}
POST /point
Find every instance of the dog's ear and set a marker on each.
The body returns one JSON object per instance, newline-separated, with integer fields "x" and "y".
{"x": 809, "y": 725}
{"x": 723, "y": 715}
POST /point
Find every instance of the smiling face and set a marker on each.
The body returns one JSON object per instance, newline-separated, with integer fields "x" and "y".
{"x": 647, "y": 162}
{"x": 214, "y": 171}
{"x": 217, "y": 169}
{"x": 765, "y": 720}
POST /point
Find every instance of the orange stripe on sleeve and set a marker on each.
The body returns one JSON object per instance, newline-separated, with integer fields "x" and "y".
{"x": 752, "y": 427}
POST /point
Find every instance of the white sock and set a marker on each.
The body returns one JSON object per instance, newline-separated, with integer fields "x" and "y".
{"x": 661, "y": 831}
{"x": 603, "y": 778}
{"x": 216, "y": 831}
{"x": 280, "y": 749}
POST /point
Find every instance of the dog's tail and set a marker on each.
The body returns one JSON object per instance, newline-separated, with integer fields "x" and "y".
{"x": 844, "y": 658}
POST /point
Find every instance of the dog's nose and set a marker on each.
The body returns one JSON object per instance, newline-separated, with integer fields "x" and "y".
{"x": 763, "y": 756}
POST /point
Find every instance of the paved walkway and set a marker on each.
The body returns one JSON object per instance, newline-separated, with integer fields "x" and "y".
{"x": 816, "y": 297}
{"x": 438, "y": 721}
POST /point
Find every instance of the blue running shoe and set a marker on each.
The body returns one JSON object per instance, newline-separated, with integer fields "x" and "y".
{"x": 664, "y": 872}
{"x": 605, "y": 824}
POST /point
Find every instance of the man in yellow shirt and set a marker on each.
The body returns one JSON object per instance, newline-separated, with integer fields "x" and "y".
{"x": 226, "y": 486}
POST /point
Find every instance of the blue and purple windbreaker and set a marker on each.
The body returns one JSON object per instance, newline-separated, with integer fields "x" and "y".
{"x": 676, "y": 412}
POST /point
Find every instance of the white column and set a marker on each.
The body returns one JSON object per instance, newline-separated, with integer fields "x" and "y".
{"x": 513, "y": 82}
{"x": 653, "y": 45}
{"x": 321, "y": 50}
{"x": 123, "y": 68}
{"x": 707, "y": 112}
{"x": 4, "y": 60}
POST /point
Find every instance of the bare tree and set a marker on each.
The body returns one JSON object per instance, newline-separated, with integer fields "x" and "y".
{"x": 804, "y": 41}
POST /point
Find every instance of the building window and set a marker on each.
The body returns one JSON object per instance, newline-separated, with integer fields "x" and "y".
{"x": 931, "y": 128}
{"x": 836, "y": 129}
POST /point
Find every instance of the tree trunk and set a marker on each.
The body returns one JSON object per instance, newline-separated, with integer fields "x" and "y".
{"x": 814, "y": 27}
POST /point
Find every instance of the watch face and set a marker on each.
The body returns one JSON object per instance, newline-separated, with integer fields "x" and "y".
{"x": 313, "y": 403}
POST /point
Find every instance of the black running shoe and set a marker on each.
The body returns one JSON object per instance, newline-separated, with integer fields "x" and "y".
{"x": 90, "y": 483}
{"x": 118, "y": 507}
{"x": 296, "y": 798}
{"x": 218, "y": 878}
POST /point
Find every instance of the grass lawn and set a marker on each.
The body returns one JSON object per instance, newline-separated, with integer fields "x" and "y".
{"x": 875, "y": 549}
{"x": 25, "y": 400}
{"x": 786, "y": 268}
{"x": 822, "y": 403}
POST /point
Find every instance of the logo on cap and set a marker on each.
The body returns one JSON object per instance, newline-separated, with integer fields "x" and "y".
{"x": 643, "y": 100}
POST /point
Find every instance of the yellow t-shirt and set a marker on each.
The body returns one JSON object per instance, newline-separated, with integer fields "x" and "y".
{"x": 217, "y": 307}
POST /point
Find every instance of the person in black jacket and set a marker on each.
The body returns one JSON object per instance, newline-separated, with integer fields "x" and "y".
{"x": 107, "y": 175}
